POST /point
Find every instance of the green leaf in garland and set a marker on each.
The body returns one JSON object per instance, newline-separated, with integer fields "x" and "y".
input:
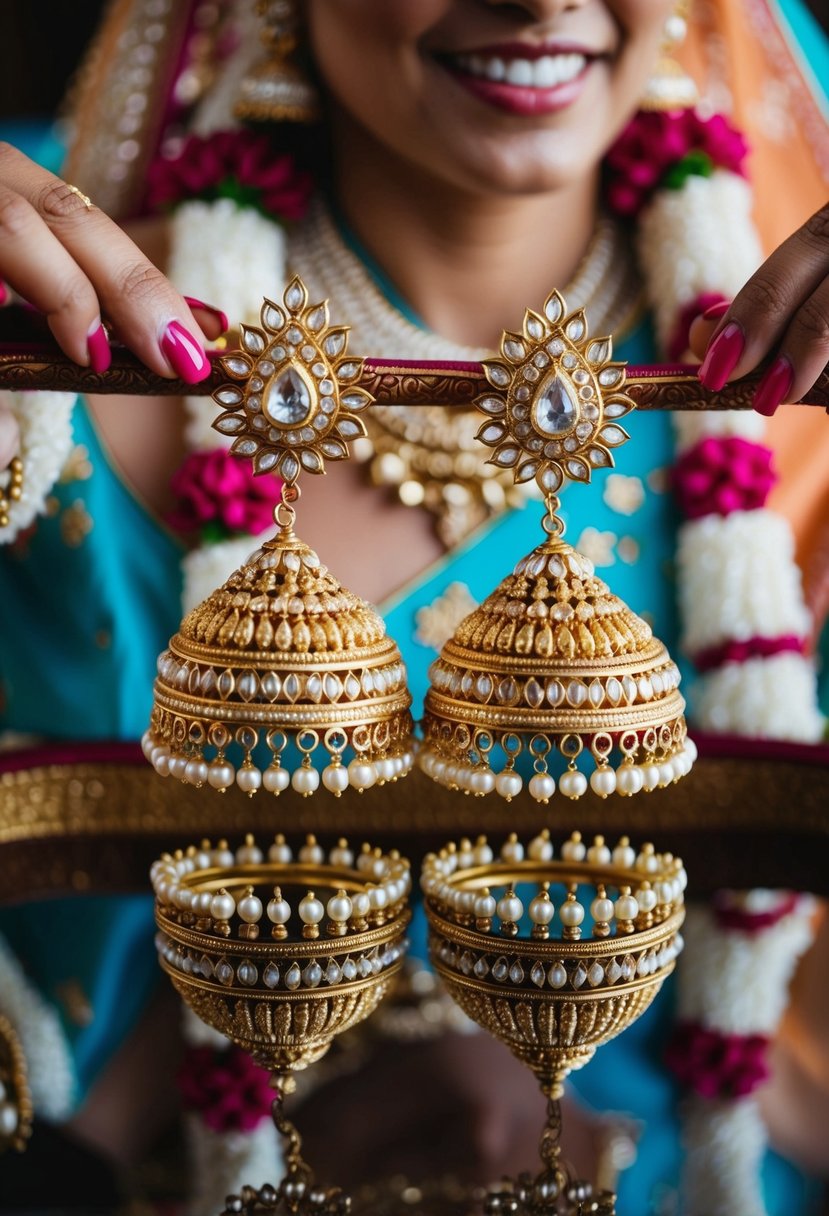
{"x": 695, "y": 164}
{"x": 214, "y": 532}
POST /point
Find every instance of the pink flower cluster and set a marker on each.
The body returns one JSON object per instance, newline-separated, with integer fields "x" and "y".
{"x": 229, "y": 1091}
{"x": 654, "y": 142}
{"x": 743, "y": 649}
{"x": 717, "y": 1065}
{"x": 219, "y": 493}
{"x": 240, "y": 165}
{"x": 723, "y": 474}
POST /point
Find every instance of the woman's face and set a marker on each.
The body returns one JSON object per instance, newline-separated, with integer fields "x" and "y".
{"x": 490, "y": 96}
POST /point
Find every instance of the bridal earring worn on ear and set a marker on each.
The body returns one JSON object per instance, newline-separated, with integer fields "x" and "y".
{"x": 277, "y": 89}
{"x": 670, "y": 87}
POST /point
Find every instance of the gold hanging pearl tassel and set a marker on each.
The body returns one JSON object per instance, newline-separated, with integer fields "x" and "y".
{"x": 283, "y": 677}
{"x": 552, "y": 661}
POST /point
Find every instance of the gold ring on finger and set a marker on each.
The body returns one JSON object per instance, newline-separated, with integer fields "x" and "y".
{"x": 87, "y": 202}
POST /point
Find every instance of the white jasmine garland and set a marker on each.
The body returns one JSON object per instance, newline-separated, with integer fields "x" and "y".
{"x": 222, "y": 1163}
{"x": 738, "y": 579}
{"x": 45, "y": 423}
{"x": 208, "y": 567}
{"x": 725, "y": 1143}
{"x": 694, "y": 240}
{"x": 51, "y": 1072}
{"x": 777, "y": 695}
{"x": 753, "y": 971}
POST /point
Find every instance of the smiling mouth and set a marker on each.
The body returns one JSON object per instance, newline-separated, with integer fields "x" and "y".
{"x": 542, "y": 72}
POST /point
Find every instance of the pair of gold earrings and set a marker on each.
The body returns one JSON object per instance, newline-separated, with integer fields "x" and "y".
{"x": 284, "y": 678}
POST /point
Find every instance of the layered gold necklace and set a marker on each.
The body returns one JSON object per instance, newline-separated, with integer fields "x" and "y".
{"x": 429, "y": 457}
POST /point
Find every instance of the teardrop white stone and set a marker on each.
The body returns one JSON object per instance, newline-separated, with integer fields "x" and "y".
{"x": 288, "y": 401}
{"x": 555, "y": 409}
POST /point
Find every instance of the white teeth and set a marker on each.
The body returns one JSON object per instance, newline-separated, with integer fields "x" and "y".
{"x": 520, "y": 72}
{"x": 544, "y": 73}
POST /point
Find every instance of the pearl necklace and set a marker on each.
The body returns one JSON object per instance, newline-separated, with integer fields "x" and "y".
{"x": 431, "y": 456}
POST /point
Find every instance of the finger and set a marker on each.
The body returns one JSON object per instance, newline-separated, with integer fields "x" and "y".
{"x": 9, "y": 437}
{"x": 801, "y": 357}
{"x": 37, "y": 266}
{"x": 212, "y": 321}
{"x": 761, "y": 311}
{"x": 150, "y": 315}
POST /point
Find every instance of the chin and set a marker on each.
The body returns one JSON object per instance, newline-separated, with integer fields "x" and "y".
{"x": 519, "y": 166}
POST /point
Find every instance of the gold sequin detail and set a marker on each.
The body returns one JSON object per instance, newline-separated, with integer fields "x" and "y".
{"x": 436, "y": 622}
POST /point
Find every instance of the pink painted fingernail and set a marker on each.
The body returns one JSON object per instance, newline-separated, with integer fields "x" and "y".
{"x": 716, "y": 311}
{"x": 97, "y": 343}
{"x": 4, "y": 292}
{"x": 184, "y": 353}
{"x": 722, "y": 357}
{"x": 775, "y": 386}
{"x": 214, "y": 312}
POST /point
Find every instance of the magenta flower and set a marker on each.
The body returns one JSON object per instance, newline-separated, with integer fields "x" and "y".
{"x": 716, "y": 1065}
{"x": 241, "y": 165}
{"x": 218, "y": 494}
{"x": 723, "y": 474}
{"x": 656, "y": 143}
{"x": 229, "y": 1091}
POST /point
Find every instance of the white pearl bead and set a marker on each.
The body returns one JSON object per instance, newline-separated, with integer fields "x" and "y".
{"x": 542, "y": 909}
{"x": 305, "y": 781}
{"x": 573, "y": 850}
{"x": 361, "y": 904}
{"x": 385, "y": 768}
{"x": 248, "y": 780}
{"x": 508, "y": 784}
{"x": 311, "y": 910}
{"x": 335, "y": 778}
{"x": 599, "y": 854}
{"x": 482, "y": 781}
{"x": 650, "y": 776}
{"x": 510, "y": 908}
{"x": 361, "y": 775}
{"x": 603, "y": 782}
{"x": 250, "y": 909}
{"x": 312, "y": 853}
{"x": 220, "y": 774}
{"x": 540, "y": 847}
{"x": 512, "y": 850}
{"x": 147, "y": 745}
{"x": 279, "y": 911}
{"x": 201, "y": 904}
{"x": 377, "y": 898}
{"x": 339, "y": 907}
{"x": 485, "y": 907}
{"x": 602, "y": 909}
{"x": 542, "y": 787}
{"x": 572, "y": 784}
{"x": 161, "y": 761}
{"x": 249, "y": 854}
{"x": 624, "y": 856}
{"x": 627, "y": 908}
{"x": 222, "y": 906}
{"x": 571, "y": 913}
{"x": 275, "y": 780}
{"x": 629, "y": 780}
{"x": 666, "y": 772}
{"x": 482, "y": 853}
{"x": 178, "y": 767}
{"x": 8, "y": 1119}
{"x": 196, "y": 772}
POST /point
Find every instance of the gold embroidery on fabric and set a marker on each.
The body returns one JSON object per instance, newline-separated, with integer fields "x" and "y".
{"x": 623, "y": 494}
{"x": 436, "y": 622}
{"x": 78, "y": 466}
{"x": 75, "y": 524}
{"x": 598, "y": 546}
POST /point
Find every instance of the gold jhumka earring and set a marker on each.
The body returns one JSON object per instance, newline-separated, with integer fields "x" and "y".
{"x": 669, "y": 86}
{"x": 336, "y": 942}
{"x": 278, "y": 88}
{"x": 282, "y": 664}
{"x": 552, "y": 660}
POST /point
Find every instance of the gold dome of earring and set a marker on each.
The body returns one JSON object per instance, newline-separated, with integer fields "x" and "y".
{"x": 282, "y": 665}
{"x": 552, "y": 660}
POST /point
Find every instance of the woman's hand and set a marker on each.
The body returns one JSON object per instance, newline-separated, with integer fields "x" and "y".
{"x": 783, "y": 311}
{"x": 75, "y": 265}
